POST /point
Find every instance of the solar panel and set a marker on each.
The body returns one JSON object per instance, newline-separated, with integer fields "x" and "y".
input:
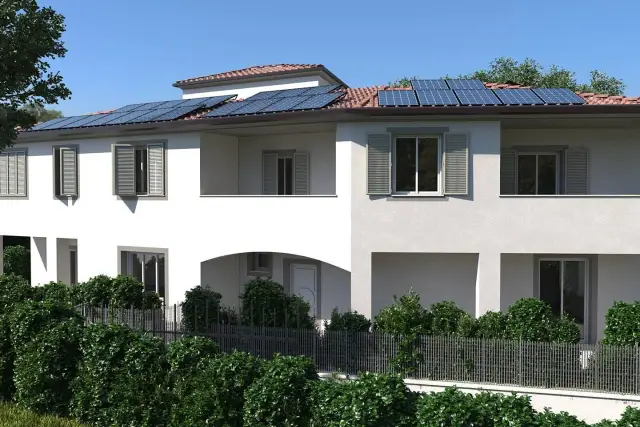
{"x": 107, "y": 118}
{"x": 129, "y": 107}
{"x": 288, "y": 93}
{"x": 169, "y": 115}
{"x": 319, "y": 90}
{"x": 212, "y": 101}
{"x": 319, "y": 101}
{"x": 396, "y": 98}
{"x": 558, "y": 96}
{"x": 48, "y": 123}
{"x": 227, "y": 109}
{"x": 465, "y": 84}
{"x": 255, "y": 106}
{"x": 64, "y": 121}
{"x": 285, "y": 104}
{"x": 129, "y": 116}
{"x": 477, "y": 97}
{"x": 437, "y": 97}
{"x": 429, "y": 84}
{"x": 84, "y": 120}
{"x": 149, "y": 116}
{"x": 264, "y": 95}
{"x": 518, "y": 97}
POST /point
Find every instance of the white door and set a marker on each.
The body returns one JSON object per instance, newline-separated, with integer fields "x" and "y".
{"x": 304, "y": 282}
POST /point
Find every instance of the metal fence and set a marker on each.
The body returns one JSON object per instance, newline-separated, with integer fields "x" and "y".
{"x": 584, "y": 367}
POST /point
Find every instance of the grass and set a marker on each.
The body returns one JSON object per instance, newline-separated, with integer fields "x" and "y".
{"x": 12, "y": 416}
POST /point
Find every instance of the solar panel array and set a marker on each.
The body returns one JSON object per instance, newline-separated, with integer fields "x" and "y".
{"x": 470, "y": 92}
{"x": 136, "y": 113}
{"x": 286, "y": 93}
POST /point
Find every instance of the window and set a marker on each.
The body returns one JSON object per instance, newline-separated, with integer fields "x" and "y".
{"x": 417, "y": 165}
{"x": 563, "y": 284}
{"x": 148, "y": 268}
{"x": 285, "y": 173}
{"x": 259, "y": 263}
{"x": 65, "y": 167}
{"x": 139, "y": 170}
{"x": 13, "y": 173}
{"x": 73, "y": 265}
{"x": 538, "y": 173}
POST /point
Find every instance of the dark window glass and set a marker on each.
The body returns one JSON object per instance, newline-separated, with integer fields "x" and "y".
{"x": 547, "y": 174}
{"x": 150, "y": 264}
{"x": 135, "y": 265}
{"x": 58, "y": 172}
{"x": 161, "y": 278}
{"x": 141, "y": 171}
{"x": 550, "y": 285}
{"x": 527, "y": 174}
{"x": 428, "y": 164}
{"x": 288, "y": 176}
{"x": 281, "y": 177}
{"x": 73, "y": 267}
{"x": 573, "y": 290}
{"x": 405, "y": 166}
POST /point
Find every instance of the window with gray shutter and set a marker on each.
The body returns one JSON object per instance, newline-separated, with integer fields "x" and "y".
{"x": 13, "y": 173}
{"x": 508, "y": 172}
{"x": 456, "y": 169}
{"x": 270, "y": 173}
{"x": 155, "y": 165}
{"x": 66, "y": 171}
{"x": 125, "y": 170}
{"x": 576, "y": 171}
{"x": 379, "y": 164}
{"x": 301, "y": 173}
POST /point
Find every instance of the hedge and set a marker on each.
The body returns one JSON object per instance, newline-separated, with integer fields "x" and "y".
{"x": 186, "y": 354}
{"x": 215, "y": 395}
{"x": 17, "y": 260}
{"x": 114, "y": 292}
{"x": 265, "y": 303}
{"x": 200, "y": 309}
{"x": 280, "y": 397}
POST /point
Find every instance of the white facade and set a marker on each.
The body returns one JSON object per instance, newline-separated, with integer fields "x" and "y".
{"x": 336, "y": 244}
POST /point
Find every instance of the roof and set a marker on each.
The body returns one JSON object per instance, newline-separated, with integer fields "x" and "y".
{"x": 257, "y": 71}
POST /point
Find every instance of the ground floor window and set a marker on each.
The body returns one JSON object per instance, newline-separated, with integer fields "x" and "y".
{"x": 148, "y": 268}
{"x": 563, "y": 284}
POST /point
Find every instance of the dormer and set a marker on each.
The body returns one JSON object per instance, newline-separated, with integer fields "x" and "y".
{"x": 249, "y": 81}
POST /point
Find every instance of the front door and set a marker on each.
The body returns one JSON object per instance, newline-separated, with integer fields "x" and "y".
{"x": 304, "y": 282}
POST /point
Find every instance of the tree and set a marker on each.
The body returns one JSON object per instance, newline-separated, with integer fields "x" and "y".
{"x": 42, "y": 114}
{"x": 531, "y": 73}
{"x": 29, "y": 39}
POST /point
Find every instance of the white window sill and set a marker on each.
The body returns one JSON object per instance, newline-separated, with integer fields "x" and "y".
{"x": 569, "y": 196}
{"x": 272, "y": 195}
{"x": 417, "y": 196}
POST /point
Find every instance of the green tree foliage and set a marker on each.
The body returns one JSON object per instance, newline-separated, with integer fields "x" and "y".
{"x": 29, "y": 40}
{"x": 531, "y": 73}
{"x": 351, "y": 321}
{"x": 42, "y": 114}
{"x": 17, "y": 260}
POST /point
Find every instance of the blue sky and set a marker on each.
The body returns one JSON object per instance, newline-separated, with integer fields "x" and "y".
{"x": 125, "y": 51}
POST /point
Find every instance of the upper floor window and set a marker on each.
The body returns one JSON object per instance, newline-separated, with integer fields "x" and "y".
{"x": 139, "y": 169}
{"x": 65, "y": 169}
{"x": 13, "y": 173}
{"x": 538, "y": 173}
{"x": 417, "y": 165}
{"x": 259, "y": 263}
{"x": 285, "y": 173}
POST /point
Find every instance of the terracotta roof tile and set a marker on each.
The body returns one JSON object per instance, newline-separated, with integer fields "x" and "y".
{"x": 251, "y": 71}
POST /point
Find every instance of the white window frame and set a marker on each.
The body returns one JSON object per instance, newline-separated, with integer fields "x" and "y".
{"x": 561, "y": 260}
{"x": 129, "y": 267}
{"x": 537, "y": 154}
{"x": 439, "y": 192}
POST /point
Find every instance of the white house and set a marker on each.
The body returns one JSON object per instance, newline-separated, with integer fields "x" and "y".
{"x": 347, "y": 203}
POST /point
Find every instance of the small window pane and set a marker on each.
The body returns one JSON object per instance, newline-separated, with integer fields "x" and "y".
{"x": 141, "y": 171}
{"x": 161, "y": 276}
{"x": 527, "y": 174}
{"x": 547, "y": 174}
{"x": 405, "y": 167}
{"x": 281, "y": 177}
{"x": 135, "y": 265}
{"x": 73, "y": 268}
{"x": 550, "y": 285}
{"x": 150, "y": 265}
{"x": 428, "y": 164}
{"x": 288, "y": 175}
{"x": 574, "y": 290}
{"x": 58, "y": 171}
{"x": 262, "y": 261}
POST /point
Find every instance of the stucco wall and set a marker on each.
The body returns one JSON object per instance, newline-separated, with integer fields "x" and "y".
{"x": 516, "y": 278}
{"x": 618, "y": 280}
{"x": 246, "y": 89}
{"x": 218, "y": 164}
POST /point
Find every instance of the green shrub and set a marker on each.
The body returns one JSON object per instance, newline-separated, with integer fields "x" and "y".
{"x": 445, "y": 318}
{"x": 265, "y": 303}
{"x": 31, "y": 318}
{"x": 186, "y": 354}
{"x": 46, "y": 366}
{"x": 214, "y": 396}
{"x": 95, "y": 292}
{"x": 126, "y": 292}
{"x": 13, "y": 290}
{"x": 467, "y": 326}
{"x": 491, "y": 325}
{"x": 450, "y": 408}
{"x": 13, "y": 416}
{"x": 17, "y": 260}
{"x": 499, "y": 410}
{"x": 351, "y": 321}
{"x": 280, "y": 397}
{"x": 53, "y": 292}
{"x": 407, "y": 320}
{"x": 622, "y": 324}
{"x": 200, "y": 309}
{"x": 122, "y": 378}
{"x": 371, "y": 400}
{"x": 565, "y": 330}
{"x": 562, "y": 419}
{"x": 529, "y": 319}
{"x": 630, "y": 417}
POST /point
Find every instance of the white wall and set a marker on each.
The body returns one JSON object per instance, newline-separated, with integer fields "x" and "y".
{"x": 434, "y": 277}
{"x": 245, "y": 89}
{"x": 516, "y": 278}
{"x": 322, "y": 156}
{"x": 218, "y": 164}
{"x": 618, "y": 280}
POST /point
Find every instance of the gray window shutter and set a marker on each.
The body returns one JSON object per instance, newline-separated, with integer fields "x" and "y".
{"x": 301, "y": 173}
{"x": 4, "y": 174}
{"x": 68, "y": 172}
{"x": 270, "y": 173}
{"x": 456, "y": 164}
{"x": 508, "y": 172}
{"x": 21, "y": 173}
{"x": 379, "y": 164}
{"x": 125, "y": 170}
{"x": 576, "y": 171}
{"x": 155, "y": 166}
{"x": 13, "y": 174}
